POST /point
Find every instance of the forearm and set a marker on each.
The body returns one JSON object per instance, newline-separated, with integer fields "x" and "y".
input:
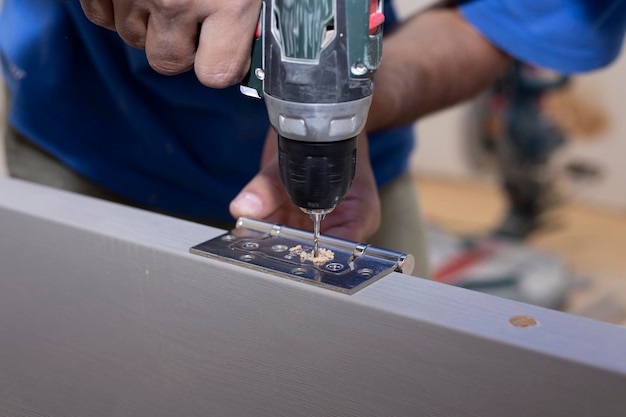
{"x": 432, "y": 61}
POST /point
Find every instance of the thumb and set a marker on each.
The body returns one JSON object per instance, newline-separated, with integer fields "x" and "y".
{"x": 262, "y": 196}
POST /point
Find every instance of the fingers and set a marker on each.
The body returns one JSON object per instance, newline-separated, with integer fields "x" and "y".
{"x": 99, "y": 12}
{"x": 131, "y": 23}
{"x": 355, "y": 220}
{"x": 214, "y": 36}
{"x": 168, "y": 33}
{"x": 223, "y": 55}
{"x": 261, "y": 197}
{"x": 170, "y": 41}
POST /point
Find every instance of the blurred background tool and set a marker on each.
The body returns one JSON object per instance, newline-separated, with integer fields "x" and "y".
{"x": 516, "y": 141}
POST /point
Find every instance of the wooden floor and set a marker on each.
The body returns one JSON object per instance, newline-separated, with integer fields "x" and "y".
{"x": 592, "y": 240}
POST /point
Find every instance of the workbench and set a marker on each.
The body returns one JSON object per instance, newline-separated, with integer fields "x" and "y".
{"x": 105, "y": 312}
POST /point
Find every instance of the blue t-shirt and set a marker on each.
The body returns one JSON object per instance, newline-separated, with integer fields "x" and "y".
{"x": 170, "y": 143}
{"x": 166, "y": 142}
{"x": 568, "y": 36}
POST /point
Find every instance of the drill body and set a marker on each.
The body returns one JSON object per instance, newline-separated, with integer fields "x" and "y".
{"x": 313, "y": 62}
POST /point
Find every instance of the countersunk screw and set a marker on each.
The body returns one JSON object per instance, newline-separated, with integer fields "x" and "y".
{"x": 334, "y": 267}
{"x": 250, "y": 245}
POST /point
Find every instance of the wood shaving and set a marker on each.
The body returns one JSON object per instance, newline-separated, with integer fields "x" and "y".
{"x": 324, "y": 255}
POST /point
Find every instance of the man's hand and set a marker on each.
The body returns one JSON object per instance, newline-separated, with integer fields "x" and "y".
{"x": 212, "y": 36}
{"x": 265, "y": 198}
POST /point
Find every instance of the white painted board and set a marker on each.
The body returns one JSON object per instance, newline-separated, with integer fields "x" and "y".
{"x": 104, "y": 312}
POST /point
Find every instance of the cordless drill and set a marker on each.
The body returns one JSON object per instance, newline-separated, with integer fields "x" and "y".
{"x": 313, "y": 62}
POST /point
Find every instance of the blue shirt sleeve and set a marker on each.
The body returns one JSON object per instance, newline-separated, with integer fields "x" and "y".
{"x": 568, "y": 36}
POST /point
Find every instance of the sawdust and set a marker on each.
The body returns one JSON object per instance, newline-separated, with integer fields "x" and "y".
{"x": 324, "y": 255}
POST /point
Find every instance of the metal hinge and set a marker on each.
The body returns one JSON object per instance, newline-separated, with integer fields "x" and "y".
{"x": 285, "y": 252}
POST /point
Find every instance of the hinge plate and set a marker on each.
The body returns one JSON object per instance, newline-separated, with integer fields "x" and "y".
{"x": 278, "y": 250}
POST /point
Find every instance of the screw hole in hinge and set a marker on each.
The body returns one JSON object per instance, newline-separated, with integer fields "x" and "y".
{"x": 247, "y": 258}
{"x": 365, "y": 272}
{"x": 279, "y": 248}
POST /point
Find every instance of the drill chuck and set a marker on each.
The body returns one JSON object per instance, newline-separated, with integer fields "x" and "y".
{"x": 317, "y": 175}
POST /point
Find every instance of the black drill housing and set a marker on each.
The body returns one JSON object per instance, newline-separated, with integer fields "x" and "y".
{"x": 317, "y": 175}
